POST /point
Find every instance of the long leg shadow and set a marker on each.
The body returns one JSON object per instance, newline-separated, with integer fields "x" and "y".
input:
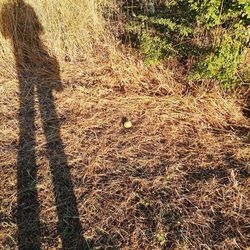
{"x": 38, "y": 72}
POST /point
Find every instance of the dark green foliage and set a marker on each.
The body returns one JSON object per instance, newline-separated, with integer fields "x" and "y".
{"x": 214, "y": 32}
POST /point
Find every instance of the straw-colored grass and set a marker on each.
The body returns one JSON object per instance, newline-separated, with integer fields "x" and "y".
{"x": 178, "y": 179}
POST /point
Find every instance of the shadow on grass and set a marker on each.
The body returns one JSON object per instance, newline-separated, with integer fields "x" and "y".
{"x": 38, "y": 75}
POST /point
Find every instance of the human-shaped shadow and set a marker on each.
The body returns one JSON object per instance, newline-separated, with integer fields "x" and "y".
{"x": 38, "y": 73}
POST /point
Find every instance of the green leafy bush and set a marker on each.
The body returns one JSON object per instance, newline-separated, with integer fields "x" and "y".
{"x": 215, "y": 32}
{"x": 222, "y": 64}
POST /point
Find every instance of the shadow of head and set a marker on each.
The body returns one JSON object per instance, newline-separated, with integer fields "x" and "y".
{"x": 20, "y": 24}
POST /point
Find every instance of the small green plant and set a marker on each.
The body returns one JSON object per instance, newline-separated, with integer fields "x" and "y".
{"x": 161, "y": 238}
{"x": 155, "y": 48}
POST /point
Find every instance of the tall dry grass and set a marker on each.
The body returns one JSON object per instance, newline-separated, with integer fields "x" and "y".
{"x": 79, "y": 34}
{"x": 73, "y": 30}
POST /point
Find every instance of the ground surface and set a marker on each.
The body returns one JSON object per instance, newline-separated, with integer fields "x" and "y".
{"x": 178, "y": 179}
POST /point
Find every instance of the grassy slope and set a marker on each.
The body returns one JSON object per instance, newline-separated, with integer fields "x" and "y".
{"x": 179, "y": 178}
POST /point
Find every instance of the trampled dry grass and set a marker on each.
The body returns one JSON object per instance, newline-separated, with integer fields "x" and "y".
{"x": 178, "y": 179}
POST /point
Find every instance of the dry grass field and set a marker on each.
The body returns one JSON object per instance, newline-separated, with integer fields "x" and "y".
{"x": 72, "y": 177}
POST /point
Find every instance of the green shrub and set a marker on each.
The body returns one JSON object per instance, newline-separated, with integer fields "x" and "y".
{"x": 223, "y": 63}
{"x": 215, "y": 32}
